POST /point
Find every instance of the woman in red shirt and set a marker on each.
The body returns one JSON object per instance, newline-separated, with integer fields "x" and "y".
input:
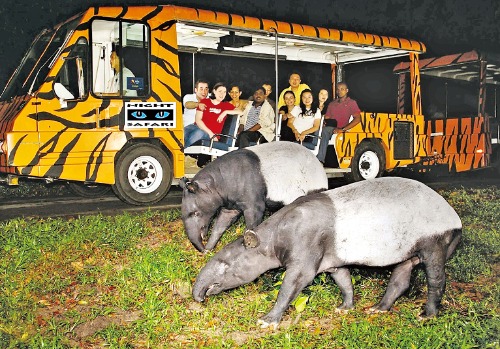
{"x": 210, "y": 120}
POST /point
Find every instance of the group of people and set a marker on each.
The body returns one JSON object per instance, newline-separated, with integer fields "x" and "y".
{"x": 204, "y": 117}
{"x": 300, "y": 117}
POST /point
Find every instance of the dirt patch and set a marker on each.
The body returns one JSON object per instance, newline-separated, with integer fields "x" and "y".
{"x": 475, "y": 291}
{"x": 119, "y": 318}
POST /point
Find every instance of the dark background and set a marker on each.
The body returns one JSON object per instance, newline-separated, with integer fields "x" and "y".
{"x": 445, "y": 26}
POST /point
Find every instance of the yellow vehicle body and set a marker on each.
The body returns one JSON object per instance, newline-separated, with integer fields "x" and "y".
{"x": 83, "y": 138}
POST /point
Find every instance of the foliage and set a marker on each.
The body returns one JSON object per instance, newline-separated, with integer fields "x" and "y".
{"x": 125, "y": 282}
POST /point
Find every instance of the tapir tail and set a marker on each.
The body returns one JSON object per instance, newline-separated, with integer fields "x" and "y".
{"x": 456, "y": 236}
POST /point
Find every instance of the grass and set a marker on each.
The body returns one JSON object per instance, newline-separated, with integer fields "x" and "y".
{"x": 124, "y": 282}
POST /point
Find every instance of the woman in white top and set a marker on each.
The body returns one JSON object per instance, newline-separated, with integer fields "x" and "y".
{"x": 306, "y": 120}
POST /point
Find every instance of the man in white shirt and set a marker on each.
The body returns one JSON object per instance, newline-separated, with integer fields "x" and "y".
{"x": 191, "y": 102}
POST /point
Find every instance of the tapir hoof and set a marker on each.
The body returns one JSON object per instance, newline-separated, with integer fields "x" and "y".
{"x": 424, "y": 317}
{"x": 343, "y": 309}
{"x": 264, "y": 324}
{"x": 376, "y": 309}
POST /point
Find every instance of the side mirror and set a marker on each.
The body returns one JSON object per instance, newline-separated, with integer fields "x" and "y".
{"x": 63, "y": 94}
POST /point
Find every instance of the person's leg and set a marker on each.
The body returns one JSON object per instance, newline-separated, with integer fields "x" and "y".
{"x": 287, "y": 134}
{"x": 188, "y": 130}
{"x": 193, "y": 135}
{"x": 246, "y": 137}
{"x": 326, "y": 134}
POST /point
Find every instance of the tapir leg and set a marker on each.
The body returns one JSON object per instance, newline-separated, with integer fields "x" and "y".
{"x": 436, "y": 279}
{"x": 342, "y": 278}
{"x": 254, "y": 215}
{"x": 294, "y": 282}
{"x": 224, "y": 220}
{"x": 398, "y": 284}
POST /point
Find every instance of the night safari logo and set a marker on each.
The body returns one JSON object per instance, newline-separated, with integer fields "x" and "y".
{"x": 149, "y": 114}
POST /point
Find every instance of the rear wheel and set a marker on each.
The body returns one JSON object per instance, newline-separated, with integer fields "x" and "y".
{"x": 143, "y": 174}
{"x": 91, "y": 190}
{"x": 368, "y": 162}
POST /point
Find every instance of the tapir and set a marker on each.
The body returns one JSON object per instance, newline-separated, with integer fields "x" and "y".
{"x": 247, "y": 181}
{"x": 378, "y": 223}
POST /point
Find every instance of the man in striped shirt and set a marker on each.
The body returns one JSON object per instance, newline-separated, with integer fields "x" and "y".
{"x": 257, "y": 121}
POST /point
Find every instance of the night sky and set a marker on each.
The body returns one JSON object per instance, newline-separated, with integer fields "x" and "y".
{"x": 445, "y": 26}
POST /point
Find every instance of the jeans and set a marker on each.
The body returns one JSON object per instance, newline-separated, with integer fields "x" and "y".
{"x": 326, "y": 134}
{"x": 192, "y": 134}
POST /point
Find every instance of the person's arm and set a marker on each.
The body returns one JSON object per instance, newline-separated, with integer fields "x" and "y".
{"x": 356, "y": 119}
{"x": 310, "y": 130}
{"x": 283, "y": 111}
{"x": 281, "y": 101}
{"x": 222, "y": 115}
{"x": 201, "y": 124}
{"x": 290, "y": 124}
{"x": 240, "y": 128}
{"x": 266, "y": 117}
{"x": 191, "y": 105}
{"x": 243, "y": 120}
{"x": 194, "y": 105}
{"x": 255, "y": 127}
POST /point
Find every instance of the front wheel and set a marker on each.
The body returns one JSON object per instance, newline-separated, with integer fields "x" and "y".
{"x": 368, "y": 162}
{"x": 143, "y": 174}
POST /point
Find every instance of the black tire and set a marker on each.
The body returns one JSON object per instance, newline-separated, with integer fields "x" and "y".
{"x": 143, "y": 174}
{"x": 368, "y": 162}
{"x": 91, "y": 190}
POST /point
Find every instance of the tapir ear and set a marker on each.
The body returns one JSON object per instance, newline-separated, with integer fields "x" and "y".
{"x": 250, "y": 239}
{"x": 185, "y": 184}
{"x": 192, "y": 187}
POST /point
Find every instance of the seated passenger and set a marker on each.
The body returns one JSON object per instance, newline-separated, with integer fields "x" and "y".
{"x": 210, "y": 121}
{"x": 257, "y": 121}
{"x": 323, "y": 100}
{"x": 337, "y": 118}
{"x": 191, "y": 101}
{"x": 305, "y": 121}
{"x": 269, "y": 90}
{"x": 286, "y": 133}
{"x": 235, "y": 94}
{"x": 295, "y": 86}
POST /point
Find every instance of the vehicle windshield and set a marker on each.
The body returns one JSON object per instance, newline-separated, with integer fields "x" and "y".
{"x": 35, "y": 65}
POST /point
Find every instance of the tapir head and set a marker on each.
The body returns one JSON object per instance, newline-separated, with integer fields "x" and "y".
{"x": 238, "y": 263}
{"x": 200, "y": 202}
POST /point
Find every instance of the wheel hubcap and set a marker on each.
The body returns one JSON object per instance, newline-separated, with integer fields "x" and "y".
{"x": 369, "y": 165}
{"x": 145, "y": 174}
